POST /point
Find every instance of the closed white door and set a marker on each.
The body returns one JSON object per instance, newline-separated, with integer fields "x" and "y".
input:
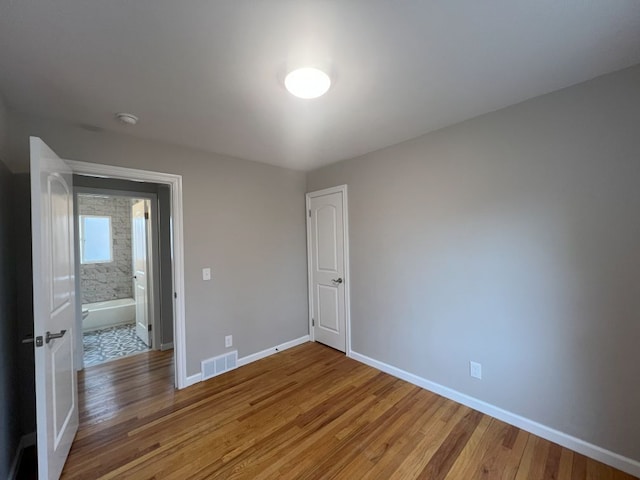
{"x": 54, "y": 310}
{"x": 327, "y": 263}
{"x": 140, "y": 254}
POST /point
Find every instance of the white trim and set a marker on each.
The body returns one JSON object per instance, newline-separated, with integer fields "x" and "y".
{"x": 608, "y": 457}
{"x": 347, "y": 273}
{"x": 347, "y": 277}
{"x": 312, "y": 333}
{"x": 26, "y": 441}
{"x": 166, "y": 346}
{"x": 270, "y": 351}
{"x": 175, "y": 182}
{"x": 193, "y": 379}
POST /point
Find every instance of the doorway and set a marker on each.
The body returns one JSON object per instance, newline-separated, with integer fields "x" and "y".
{"x": 117, "y": 251}
{"x": 328, "y": 267}
{"x": 169, "y": 190}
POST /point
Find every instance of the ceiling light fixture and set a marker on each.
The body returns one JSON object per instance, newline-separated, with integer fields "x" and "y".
{"x": 307, "y": 82}
{"x": 127, "y": 118}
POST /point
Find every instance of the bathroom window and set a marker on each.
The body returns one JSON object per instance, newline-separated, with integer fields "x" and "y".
{"x": 95, "y": 239}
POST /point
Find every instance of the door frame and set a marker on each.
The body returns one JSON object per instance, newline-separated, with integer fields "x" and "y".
{"x": 154, "y": 301}
{"x": 347, "y": 277}
{"x": 175, "y": 183}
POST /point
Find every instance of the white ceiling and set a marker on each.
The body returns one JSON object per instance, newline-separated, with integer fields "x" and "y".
{"x": 209, "y": 74}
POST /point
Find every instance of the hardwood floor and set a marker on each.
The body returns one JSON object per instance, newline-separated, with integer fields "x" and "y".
{"x": 306, "y": 413}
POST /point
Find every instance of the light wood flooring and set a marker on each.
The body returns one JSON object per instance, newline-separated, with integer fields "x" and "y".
{"x": 305, "y": 413}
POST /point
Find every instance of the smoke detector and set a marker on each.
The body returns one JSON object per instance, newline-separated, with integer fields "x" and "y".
{"x": 127, "y": 118}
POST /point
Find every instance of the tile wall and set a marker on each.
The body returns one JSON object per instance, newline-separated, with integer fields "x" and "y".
{"x": 109, "y": 281}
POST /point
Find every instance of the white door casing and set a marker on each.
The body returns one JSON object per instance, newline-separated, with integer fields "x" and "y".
{"x": 177, "y": 244}
{"x": 54, "y": 308}
{"x": 140, "y": 256}
{"x": 328, "y": 267}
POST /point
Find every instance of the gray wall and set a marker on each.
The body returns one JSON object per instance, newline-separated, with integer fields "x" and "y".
{"x": 21, "y": 232}
{"x": 243, "y": 219}
{"x": 9, "y": 390}
{"x": 109, "y": 281}
{"x": 166, "y": 280}
{"x": 4, "y": 131}
{"x": 513, "y": 240}
{"x": 21, "y": 228}
{"x": 17, "y": 369}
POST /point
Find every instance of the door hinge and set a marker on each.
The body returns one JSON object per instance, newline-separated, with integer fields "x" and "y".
{"x": 146, "y": 215}
{"x": 149, "y": 327}
{"x": 309, "y": 213}
{"x": 313, "y": 322}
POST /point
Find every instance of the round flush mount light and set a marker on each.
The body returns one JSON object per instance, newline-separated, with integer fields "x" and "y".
{"x": 307, "y": 82}
{"x": 127, "y": 118}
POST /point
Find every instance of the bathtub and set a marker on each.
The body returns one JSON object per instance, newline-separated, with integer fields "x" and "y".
{"x": 107, "y": 314}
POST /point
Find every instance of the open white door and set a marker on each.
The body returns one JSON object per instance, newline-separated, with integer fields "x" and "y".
{"x": 140, "y": 253}
{"x": 54, "y": 310}
{"x": 327, "y": 234}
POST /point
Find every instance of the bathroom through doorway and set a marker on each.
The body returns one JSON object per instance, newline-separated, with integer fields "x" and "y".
{"x": 117, "y": 249}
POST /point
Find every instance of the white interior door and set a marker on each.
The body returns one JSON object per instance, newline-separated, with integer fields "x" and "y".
{"x": 54, "y": 309}
{"x": 327, "y": 262}
{"x": 140, "y": 253}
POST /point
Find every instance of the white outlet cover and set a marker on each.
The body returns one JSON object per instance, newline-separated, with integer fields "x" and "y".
{"x": 475, "y": 370}
{"x": 228, "y": 341}
{"x": 206, "y": 274}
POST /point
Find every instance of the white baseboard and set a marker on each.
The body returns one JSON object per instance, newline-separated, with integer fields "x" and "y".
{"x": 270, "y": 351}
{"x": 27, "y": 440}
{"x": 193, "y": 379}
{"x": 603, "y": 455}
{"x": 166, "y": 346}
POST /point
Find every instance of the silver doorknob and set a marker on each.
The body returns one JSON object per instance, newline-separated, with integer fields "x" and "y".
{"x": 338, "y": 281}
{"x": 50, "y": 336}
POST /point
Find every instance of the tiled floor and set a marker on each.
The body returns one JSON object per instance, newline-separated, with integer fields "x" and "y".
{"x": 114, "y": 342}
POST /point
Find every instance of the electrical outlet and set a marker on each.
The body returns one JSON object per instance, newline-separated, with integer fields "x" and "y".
{"x": 206, "y": 274}
{"x": 228, "y": 341}
{"x": 475, "y": 370}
